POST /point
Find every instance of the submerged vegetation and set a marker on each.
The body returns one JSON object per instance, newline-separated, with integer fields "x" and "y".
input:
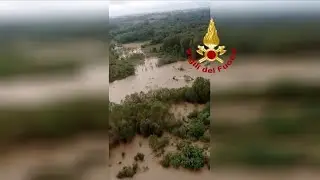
{"x": 189, "y": 157}
{"x": 148, "y": 113}
{"x": 128, "y": 171}
{"x": 122, "y": 65}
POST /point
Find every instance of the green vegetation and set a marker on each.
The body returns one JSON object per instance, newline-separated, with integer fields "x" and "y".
{"x": 119, "y": 69}
{"x": 128, "y": 171}
{"x": 122, "y": 67}
{"x": 190, "y": 157}
{"x": 169, "y": 35}
{"x": 139, "y": 157}
{"x": 177, "y": 31}
{"x": 148, "y": 113}
{"x": 197, "y": 127}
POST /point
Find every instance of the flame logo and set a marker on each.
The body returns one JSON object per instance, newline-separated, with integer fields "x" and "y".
{"x": 211, "y": 38}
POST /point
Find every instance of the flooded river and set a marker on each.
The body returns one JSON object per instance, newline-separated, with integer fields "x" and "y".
{"x": 245, "y": 71}
{"x": 148, "y": 76}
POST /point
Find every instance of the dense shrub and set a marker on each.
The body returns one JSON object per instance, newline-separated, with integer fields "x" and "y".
{"x": 176, "y": 160}
{"x": 180, "y": 131}
{"x": 196, "y": 129}
{"x": 120, "y": 69}
{"x": 148, "y": 127}
{"x": 190, "y": 157}
{"x": 139, "y": 157}
{"x": 204, "y": 117}
{"x": 148, "y": 113}
{"x": 128, "y": 171}
{"x": 193, "y": 157}
{"x": 199, "y": 92}
{"x": 165, "y": 162}
{"x": 182, "y": 144}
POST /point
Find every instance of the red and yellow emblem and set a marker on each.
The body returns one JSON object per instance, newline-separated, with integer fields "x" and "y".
{"x": 211, "y": 41}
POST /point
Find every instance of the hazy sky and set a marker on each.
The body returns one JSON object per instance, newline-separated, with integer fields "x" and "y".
{"x": 29, "y": 9}
{"x": 118, "y": 8}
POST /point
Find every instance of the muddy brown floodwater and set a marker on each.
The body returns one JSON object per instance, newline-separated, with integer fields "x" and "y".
{"x": 244, "y": 72}
{"x": 149, "y": 76}
{"x": 155, "y": 170}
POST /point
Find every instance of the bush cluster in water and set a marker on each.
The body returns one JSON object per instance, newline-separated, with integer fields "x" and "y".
{"x": 148, "y": 113}
{"x": 190, "y": 157}
{"x": 128, "y": 171}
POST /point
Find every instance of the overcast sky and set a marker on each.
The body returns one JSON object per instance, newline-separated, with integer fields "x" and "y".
{"x": 118, "y": 8}
{"x": 29, "y": 9}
